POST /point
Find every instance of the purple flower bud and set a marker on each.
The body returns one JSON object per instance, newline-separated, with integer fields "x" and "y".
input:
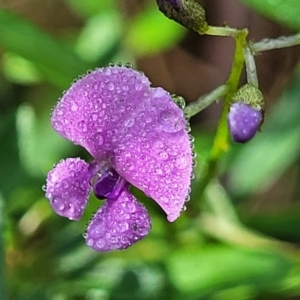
{"x": 243, "y": 122}
{"x": 136, "y": 135}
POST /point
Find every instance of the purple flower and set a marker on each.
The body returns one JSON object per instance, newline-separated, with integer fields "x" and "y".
{"x": 243, "y": 121}
{"x": 137, "y": 136}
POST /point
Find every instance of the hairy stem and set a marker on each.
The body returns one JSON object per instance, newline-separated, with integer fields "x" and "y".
{"x": 201, "y": 103}
{"x": 250, "y": 67}
{"x": 280, "y": 42}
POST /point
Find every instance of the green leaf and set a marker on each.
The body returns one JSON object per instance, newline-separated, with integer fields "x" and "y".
{"x": 284, "y": 11}
{"x": 152, "y": 32}
{"x": 59, "y": 64}
{"x": 208, "y": 270}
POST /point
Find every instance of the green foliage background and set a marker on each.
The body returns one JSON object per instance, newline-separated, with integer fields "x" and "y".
{"x": 214, "y": 251}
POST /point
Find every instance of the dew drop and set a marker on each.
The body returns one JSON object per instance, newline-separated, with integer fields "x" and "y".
{"x": 81, "y": 126}
{"x": 90, "y": 242}
{"x": 129, "y": 122}
{"x": 94, "y": 117}
{"x": 101, "y": 243}
{"x": 60, "y": 112}
{"x": 159, "y": 92}
{"x": 170, "y": 121}
{"x": 98, "y": 138}
{"x": 163, "y": 155}
{"x": 74, "y": 107}
{"x": 181, "y": 162}
{"x": 58, "y": 126}
{"x": 110, "y": 86}
{"x": 128, "y": 65}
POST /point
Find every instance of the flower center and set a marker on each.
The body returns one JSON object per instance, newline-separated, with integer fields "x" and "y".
{"x": 107, "y": 183}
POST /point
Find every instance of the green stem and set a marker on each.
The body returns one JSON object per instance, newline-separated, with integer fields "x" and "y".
{"x": 220, "y": 144}
{"x": 280, "y": 42}
{"x": 221, "y": 139}
{"x": 250, "y": 67}
{"x": 222, "y": 31}
{"x": 201, "y": 103}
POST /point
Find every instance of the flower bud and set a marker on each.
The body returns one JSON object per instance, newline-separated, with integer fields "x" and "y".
{"x": 245, "y": 114}
{"x": 188, "y": 13}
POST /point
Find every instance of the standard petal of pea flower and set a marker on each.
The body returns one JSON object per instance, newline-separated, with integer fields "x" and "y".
{"x": 137, "y": 136}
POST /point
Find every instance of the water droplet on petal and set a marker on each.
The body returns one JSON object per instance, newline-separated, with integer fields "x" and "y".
{"x": 110, "y": 86}
{"x": 101, "y": 243}
{"x": 163, "y": 155}
{"x": 81, "y": 126}
{"x": 94, "y": 117}
{"x": 98, "y": 138}
{"x": 74, "y": 107}
{"x": 181, "y": 162}
{"x": 170, "y": 121}
{"x": 129, "y": 122}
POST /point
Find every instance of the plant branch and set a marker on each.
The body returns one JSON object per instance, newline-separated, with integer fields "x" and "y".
{"x": 280, "y": 42}
{"x": 204, "y": 101}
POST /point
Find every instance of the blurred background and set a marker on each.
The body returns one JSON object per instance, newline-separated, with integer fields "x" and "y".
{"x": 239, "y": 237}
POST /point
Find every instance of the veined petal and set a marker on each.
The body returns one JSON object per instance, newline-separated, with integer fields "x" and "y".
{"x": 155, "y": 154}
{"x": 118, "y": 224}
{"x": 92, "y": 110}
{"x": 68, "y": 187}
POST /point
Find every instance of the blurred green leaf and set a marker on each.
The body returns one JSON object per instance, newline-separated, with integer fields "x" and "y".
{"x": 284, "y": 11}
{"x": 38, "y": 153}
{"x": 100, "y": 38}
{"x": 90, "y": 8}
{"x": 152, "y": 32}
{"x": 59, "y": 64}
{"x": 207, "y": 270}
{"x": 11, "y": 172}
{"x": 263, "y": 160}
{"x": 282, "y": 225}
{"x": 19, "y": 70}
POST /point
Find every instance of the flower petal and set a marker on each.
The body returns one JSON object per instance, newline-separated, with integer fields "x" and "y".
{"x": 155, "y": 154}
{"x": 91, "y": 112}
{"x": 118, "y": 224}
{"x": 68, "y": 187}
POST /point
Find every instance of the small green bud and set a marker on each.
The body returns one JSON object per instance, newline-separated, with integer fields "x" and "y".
{"x": 188, "y": 13}
{"x": 250, "y": 95}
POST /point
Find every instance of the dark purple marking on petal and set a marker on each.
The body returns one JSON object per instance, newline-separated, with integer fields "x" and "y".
{"x": 107, "y": 183}
{"x": 118, "y": 224}
{"x": 243, "y": 122}
{"x": 68, "y": 187}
